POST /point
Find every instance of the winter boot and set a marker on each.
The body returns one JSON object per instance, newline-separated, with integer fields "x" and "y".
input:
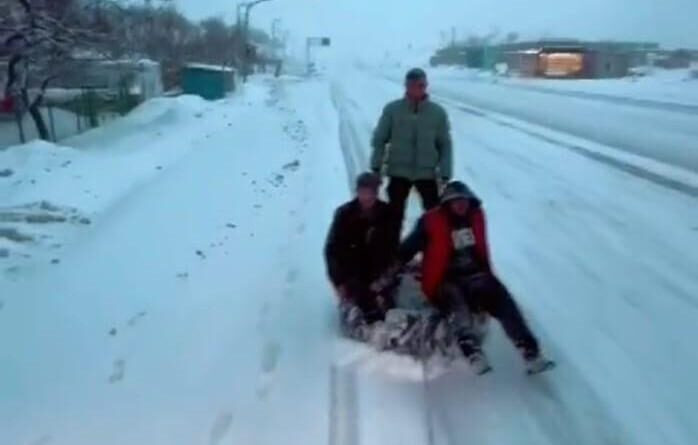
{"x": 475, "y": 356}
{"x": 479, "y": 363}
{"x": 536, "y": 362}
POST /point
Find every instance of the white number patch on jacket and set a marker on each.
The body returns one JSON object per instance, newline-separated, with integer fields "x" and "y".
{"x": 463, "y": 238}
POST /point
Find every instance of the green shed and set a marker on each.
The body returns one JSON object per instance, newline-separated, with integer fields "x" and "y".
{"x": 208, "y": 81}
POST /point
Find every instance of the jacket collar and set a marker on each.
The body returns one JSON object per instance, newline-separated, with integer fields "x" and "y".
{"x": 418, "y": 106}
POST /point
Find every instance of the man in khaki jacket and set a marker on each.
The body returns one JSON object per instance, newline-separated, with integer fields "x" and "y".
{"x": 412, "y": 146}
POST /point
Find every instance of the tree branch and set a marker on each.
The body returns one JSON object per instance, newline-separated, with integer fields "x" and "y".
{"x": 26, "y": 5}
{"x": 42, "y": 91}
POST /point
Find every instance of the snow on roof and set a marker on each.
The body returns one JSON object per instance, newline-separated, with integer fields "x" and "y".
{"x": 203, "y": 66}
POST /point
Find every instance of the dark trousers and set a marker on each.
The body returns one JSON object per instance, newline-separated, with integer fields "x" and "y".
{"x": 485, "y": 293}
{"x": 398, "y": 191}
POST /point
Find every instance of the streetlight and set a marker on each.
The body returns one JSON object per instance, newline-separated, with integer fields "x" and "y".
{"x": 245, "y": 32}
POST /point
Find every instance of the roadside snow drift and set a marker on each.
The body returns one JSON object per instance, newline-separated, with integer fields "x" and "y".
{"x": 49, "y": 192}
{"x": 195, "y": 309}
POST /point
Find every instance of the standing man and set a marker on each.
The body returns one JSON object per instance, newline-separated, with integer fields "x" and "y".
{"x": 358, "y": 250}
{"x": 413, "y": 141}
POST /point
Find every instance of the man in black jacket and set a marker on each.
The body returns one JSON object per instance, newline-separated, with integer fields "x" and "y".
{"x": 360, "y": 247}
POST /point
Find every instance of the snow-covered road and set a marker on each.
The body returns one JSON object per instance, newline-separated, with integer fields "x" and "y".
{"x": 645, "y": 130}
{"x": 599, "y": 259}
{"x": 195, "y": 309}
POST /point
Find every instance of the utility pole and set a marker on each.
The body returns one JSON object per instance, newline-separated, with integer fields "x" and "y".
{"x": 245, "y": 33}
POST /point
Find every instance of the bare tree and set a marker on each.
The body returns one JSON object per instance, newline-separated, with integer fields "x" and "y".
{"x": 41, "y": 37}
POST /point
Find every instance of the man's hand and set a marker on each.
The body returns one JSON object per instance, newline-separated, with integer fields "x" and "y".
{"x": 341, "y": 291}
{"x": 443, "y": 183}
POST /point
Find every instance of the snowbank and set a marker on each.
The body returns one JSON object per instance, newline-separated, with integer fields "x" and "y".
{"x": 91, "y": 172}
{"x": 196, "y": 310}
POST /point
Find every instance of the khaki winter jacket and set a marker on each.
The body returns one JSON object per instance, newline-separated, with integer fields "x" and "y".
{"x": 413, "y": 141}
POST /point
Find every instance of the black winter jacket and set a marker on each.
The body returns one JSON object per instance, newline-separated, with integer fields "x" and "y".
{"x": 359, "y": 246}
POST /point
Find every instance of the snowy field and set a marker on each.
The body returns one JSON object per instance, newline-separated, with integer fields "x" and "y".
{"x": 189, "y": 304}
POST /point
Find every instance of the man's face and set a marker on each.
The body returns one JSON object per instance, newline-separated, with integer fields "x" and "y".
{"x": 367, "y": 197}
{"x": 459, "y": 207}
{"x": 416, "y": 89}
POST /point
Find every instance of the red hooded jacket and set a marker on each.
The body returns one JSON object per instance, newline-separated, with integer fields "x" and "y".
{"x": 433, "y": 236}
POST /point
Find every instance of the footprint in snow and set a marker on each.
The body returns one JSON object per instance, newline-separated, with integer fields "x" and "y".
{"x": 270, "y": 357}
{"x": 220, "y": 428}
{"x": 118, "y": 372}
{"x": 292, "y": 276}
{"x": 200, "y": 254}
{"x": 183, "y": 275}
{"x": 112, "y": 332}
{"x": 300, "y": 229}
{"x": 43, "y": 440}
{"x": 231, "y": 226}
{"x": 292, "y": 166}
{"x": 55, "y": 261}
{"x": 270, "y": 361}
{"x": 133, "y": 320}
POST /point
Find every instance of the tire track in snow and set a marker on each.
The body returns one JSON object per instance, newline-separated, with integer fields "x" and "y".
{"x": 354, "y": 157}
{"x": 344, "y": 413}
{"x": 343, "y": 391}
{"x": 555, "y": 415}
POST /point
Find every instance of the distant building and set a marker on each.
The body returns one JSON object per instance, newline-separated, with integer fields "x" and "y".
{"x": 678, "y": 59}
{"x": 571, "y": 58}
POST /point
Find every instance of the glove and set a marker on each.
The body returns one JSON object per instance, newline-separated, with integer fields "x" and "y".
{"x": 442, "y": 184}
{"x": 341, "y": 292}
{"x": 385, "y": 280}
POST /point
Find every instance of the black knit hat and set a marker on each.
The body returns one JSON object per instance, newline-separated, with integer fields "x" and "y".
{"x": 368, "y": 180}
{"x": 415, "y": 74}
{"x": 458, "y": 190}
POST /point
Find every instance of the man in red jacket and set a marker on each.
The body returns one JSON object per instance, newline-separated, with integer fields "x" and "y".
{"x": 457, "y": 276}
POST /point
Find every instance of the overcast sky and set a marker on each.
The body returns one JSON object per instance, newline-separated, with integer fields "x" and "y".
{"x": 380, "y": 25}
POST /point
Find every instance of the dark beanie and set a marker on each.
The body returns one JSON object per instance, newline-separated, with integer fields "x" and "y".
{"x": 415, "y": 74}
{"x": 368, "y": 180}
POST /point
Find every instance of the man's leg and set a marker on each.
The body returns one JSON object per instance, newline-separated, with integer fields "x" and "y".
{"x": 461, "y": 324}
{"x": 398, "y": 191}
{"x": 488, "y": 293}
{"x": 429, "y": 191}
